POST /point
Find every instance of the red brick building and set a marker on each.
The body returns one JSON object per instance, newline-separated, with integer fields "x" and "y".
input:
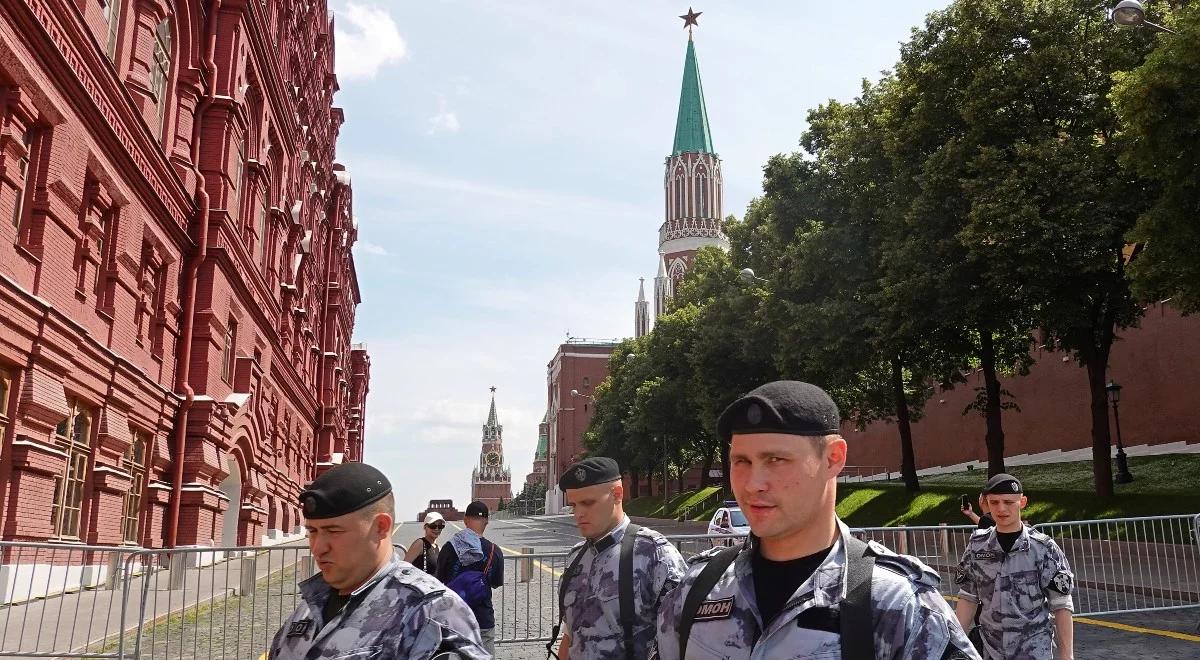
{"x": 177, "y": 289}
{"x": 571, "y": 378}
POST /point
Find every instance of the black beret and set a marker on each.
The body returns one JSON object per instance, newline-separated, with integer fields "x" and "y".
{"x": 476, "y": 509}
{"x": 1003, "y": 484}
{"x": 343, "y": 489}
{"x": 784, "y": 406}
{"x": 589, "y": 472}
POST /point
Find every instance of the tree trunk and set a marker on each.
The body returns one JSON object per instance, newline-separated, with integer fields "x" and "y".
{"x": 995, "y": 428}
{"x": 650, "y": 482}
{"x": 683, "y": 470}
{"x": 706, "y": 467}
{"x": 908, "y": 459}
{"x": 1102, "y": 476}
{"x": 635, "y": 486}
{"x": 726, "y": 489}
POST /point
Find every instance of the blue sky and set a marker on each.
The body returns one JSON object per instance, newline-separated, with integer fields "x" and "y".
{"x": 507, "y": 162}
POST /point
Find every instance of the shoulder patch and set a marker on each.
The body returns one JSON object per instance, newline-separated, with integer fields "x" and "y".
{"x": 704, "y": 556}
{"x": 906, "y": 566}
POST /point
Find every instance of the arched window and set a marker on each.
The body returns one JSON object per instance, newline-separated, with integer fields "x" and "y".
{"x": 680, "y": 211}
{"x": 701, "y": 191}
{"x": 73, "y": 438}
{"x": 135, "y": 465}
{"x": 160, "y": 70}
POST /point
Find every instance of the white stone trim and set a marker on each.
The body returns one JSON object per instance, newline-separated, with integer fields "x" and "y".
{"x": 691, "y": 243}
{"x": 40, "y": 447}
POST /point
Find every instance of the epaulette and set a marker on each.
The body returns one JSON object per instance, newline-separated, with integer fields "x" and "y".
{"x": 1040, "y": 537}
{"x": 906, "y": 566}
{"x": 704, "y": 556}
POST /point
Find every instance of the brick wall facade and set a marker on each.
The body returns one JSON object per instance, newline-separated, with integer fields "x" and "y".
{"x": 177, "y": 288}
{"x": 580, "y": 366}
{"x": 1157, "y": 365}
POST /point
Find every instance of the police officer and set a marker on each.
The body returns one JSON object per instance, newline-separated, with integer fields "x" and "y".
{"x": 1021, "y": 580}
{"x": 609, "y": 608}
{"x": 366, "y": 599}
{"x": 802, "y": 586}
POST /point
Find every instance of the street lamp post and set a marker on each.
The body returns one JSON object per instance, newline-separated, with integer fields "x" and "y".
{"x": 1131, "y": 13}
{"x": 1114, "y": 395}
{"x": 748, "y": 276}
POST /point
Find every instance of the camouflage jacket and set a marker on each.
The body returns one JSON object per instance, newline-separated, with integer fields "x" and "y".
{"x": 592, "y": 604}
{"x": 401, "y": 612}
{"x": 912, "y": 620}
{"x": 1017, "y": 591}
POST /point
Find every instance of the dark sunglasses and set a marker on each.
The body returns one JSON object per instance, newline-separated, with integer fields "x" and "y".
{"x": 437, "y": 526}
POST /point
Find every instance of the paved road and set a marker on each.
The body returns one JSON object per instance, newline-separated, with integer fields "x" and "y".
{"x": 1160, "y": 635}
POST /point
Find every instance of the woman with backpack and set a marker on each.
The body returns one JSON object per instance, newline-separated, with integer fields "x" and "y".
{"x": 423, "y": 552}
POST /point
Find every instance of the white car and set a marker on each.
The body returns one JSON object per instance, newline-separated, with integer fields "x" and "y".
{"x": 730, "y": 520}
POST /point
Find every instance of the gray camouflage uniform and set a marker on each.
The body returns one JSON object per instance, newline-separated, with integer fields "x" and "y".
{"x": 912, "y": 620}
{"x": 592, "y": 604}
{"x": 401, "y": 612}
{"x": 1017, "y": 590}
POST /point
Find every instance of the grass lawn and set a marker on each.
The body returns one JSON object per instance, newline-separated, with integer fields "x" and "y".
{"x": 1163, "y": 485}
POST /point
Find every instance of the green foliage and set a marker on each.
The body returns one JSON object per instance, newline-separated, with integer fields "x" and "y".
{"x": 981, "y": 191}
{"x": 1159, "y": 111}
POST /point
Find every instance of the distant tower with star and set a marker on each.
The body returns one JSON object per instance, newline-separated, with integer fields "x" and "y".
{"x": 491, "y": 480}
{"x": 693, "y": 185}
{"x": 641, "y": 311}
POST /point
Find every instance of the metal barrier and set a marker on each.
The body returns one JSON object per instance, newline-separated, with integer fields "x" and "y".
{"x": 61, "y": 600}
{"x": 70, "y": 601}
{"x": 527, "y": 605}
{"x": 1132, "y": 564}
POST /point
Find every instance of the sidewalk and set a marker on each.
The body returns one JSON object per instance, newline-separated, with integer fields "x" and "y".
{"x": 91, "y": 621}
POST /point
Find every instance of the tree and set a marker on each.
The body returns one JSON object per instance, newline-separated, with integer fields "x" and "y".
{"x": 820, "y": 228}
{"x": 731, "y": 349}
{"x": 1019, "y": 197}
{"x": 1159, "y": 114}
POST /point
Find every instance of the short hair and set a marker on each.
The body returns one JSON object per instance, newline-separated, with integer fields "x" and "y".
{"x": 385, "y": 504}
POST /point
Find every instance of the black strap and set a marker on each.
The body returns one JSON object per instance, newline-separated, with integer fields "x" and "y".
{"x": 562, "y": 595}
{"x": 858, "y": 630}
{"x": 625, "y": 587}
{"x": 705, "y": 581}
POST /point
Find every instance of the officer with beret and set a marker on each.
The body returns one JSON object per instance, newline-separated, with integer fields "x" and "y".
{"x": 617, "y": 577}
{"x": 1020, "y": 579}
{"x": 802, "y": 586}
{"x": 366, "y": 598}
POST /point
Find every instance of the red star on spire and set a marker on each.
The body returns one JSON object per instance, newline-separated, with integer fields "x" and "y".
{"x": 689, "y": 19}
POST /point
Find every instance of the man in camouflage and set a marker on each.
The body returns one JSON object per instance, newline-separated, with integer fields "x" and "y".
{"x": 784, "y": 595}
{"x": 1021, "y": 580}
{"x": 367, "y": 602}
{"x": 591, "y": 590}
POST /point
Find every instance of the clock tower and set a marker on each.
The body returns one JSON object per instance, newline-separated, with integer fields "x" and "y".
{"x": 491, "y": 480}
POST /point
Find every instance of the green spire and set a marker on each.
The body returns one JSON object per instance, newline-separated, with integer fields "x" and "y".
{"x": 691, "y": 127}
{"x": 543, "y": 440}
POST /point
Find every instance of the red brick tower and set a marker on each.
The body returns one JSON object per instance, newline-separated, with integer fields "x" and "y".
{"x": 491, "y": 480}
{"x": 694, "y": 189}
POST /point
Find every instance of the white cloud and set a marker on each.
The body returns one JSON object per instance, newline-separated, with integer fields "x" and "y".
{"x": 445, "y": 121}
{"x": 371, "y": 41}
{"x": 367, "y": 247}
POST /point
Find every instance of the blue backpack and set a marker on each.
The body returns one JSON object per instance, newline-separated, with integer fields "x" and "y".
{"x": 473, "y": 586}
